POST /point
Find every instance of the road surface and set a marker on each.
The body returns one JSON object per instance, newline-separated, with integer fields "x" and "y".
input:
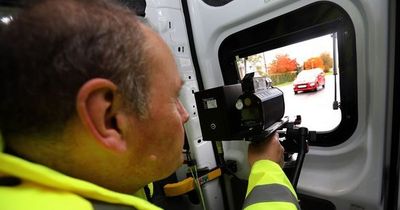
{"x": 315, "y": 108}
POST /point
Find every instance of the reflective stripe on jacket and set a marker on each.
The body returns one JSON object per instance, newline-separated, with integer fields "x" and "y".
{"x": 269, "y": 188}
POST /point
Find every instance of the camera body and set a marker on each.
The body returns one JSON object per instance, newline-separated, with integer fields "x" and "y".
{"x": 243, "y": 111}
{"x": 251, "y": 111}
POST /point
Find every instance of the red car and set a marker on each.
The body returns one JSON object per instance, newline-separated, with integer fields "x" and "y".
{"x": 309, "y": 80}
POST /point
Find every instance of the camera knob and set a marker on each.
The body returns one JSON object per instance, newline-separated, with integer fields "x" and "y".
{"x": 239, "y": 104}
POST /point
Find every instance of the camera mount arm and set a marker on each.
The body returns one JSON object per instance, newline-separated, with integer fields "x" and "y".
{"x": 296, "y": 141}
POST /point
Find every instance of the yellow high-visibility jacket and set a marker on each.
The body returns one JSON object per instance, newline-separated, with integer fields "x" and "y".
{"x": 29, "y": 186}
{"x": 269, "y": 188}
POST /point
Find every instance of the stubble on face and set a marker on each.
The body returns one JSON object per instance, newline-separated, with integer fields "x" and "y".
{"x": 159, "y": 142}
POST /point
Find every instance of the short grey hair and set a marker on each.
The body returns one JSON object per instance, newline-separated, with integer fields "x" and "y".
{"x": 53, "y": 47}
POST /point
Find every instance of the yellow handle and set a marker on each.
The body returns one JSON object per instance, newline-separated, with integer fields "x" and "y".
{"x": 187, "y": 185}
{"x": 179, "y": 188}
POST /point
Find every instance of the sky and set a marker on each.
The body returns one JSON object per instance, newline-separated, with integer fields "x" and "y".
{"x": 303, "y": 50}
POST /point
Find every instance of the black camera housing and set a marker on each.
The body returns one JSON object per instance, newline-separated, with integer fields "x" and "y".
{"x": 240, "y": 112}
{"x": 219, "y": 119}
{"x": 251, "y": 111}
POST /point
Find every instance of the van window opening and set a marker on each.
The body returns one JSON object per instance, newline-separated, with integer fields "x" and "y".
{"x": 304, "y": 72}
{"x": 285, "y": 46}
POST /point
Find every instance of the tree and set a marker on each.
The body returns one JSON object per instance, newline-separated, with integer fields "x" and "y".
{"x": 282, "y": 64}
{"x": 254, "y": 59}
{"x": 312, "y": 63}
{"x": 252, "y": 63}
{"x": 327, "y": 60}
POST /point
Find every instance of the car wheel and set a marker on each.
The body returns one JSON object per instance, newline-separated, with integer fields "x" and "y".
{"x": 295, "y": 92}
{"x": 323, "y": 86}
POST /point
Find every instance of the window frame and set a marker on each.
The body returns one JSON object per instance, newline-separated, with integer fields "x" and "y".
{"x": 311, "y": 21}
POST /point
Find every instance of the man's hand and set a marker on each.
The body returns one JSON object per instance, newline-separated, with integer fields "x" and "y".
{"x": 269, "y": 149}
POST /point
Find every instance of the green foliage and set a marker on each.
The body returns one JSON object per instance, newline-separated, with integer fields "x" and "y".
{"x": 327, "y": 60}
{"x": 261, "y": 72}
{"x": 254, "y": 59}
{"x": 283, "y": 78}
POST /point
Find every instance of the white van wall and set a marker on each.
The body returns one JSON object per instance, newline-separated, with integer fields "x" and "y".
{"x": 350, "y": 174}
{"x": 166, "y": 17}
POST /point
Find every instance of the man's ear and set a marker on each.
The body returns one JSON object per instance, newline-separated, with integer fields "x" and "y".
{"x": 98, "y": 107}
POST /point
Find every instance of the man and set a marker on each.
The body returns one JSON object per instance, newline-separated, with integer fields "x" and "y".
{"x": 90, "y": 111}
